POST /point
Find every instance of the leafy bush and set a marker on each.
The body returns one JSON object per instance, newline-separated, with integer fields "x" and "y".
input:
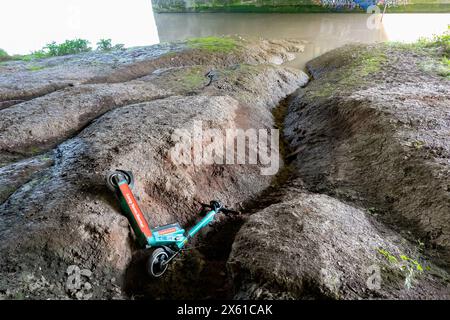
{"x": 4, "y": 55}
{"x": 67, "y": 47}
{"x": 39, "y": 54}
{"x": 442, "y": 41}
{"x": 106, "y": 45}
{"x": 441, "y": 45}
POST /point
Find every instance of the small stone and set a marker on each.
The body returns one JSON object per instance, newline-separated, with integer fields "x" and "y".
{"x": 86, "y": 273}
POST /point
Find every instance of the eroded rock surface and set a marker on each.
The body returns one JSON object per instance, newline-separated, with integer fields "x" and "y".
{"x": 313, "y": 246}
{"x": 70, "y": 92}
{"x": 368, "y": 186}
{"x": 380, "y": 137}
{"x": 360, "y": 209}
{"x": 122, "y": 115}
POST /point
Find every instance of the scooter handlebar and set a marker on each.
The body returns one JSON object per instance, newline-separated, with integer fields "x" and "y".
{"x": 217, "y": 206}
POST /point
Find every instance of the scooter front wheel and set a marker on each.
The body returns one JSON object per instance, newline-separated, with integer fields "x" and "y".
{"x": 157, "y": 263}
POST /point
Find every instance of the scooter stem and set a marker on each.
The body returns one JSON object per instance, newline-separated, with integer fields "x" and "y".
{"x": 136, "y": 217}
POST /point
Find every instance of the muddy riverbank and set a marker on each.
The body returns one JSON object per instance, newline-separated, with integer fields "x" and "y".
{"x": 359, "y": 208}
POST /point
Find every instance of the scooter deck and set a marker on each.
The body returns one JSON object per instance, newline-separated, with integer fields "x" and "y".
{"x": 167, "y": 234}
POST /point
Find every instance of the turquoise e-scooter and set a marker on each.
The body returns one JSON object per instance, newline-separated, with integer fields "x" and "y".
{"x": 168, "y": 240}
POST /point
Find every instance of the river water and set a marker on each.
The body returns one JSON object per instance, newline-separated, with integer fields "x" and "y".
{"x": 322, "y": 32}
{"x": 135, "y": 24}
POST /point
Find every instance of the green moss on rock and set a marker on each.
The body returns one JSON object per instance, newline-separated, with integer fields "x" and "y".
{"x": 192, "y": 78}
{"x": 213, "y": 44}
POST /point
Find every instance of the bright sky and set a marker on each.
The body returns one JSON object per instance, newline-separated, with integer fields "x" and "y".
{"x": 410, "y": 27}
{"x": 27, "y": 25}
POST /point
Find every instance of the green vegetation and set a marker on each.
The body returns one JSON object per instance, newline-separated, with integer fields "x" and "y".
{"x": 193, "y": 79}
{"x": 445, "y": 69}
{"x": 325, "y": 91}
{"x": 411, "y": 7}
{"x": 186, "y": 79}
{"x": 436, "y": 48}
{"x": 373, "y": 211}
{"x": 364, "y": 62}
{"x": 3, "y": 55}
{"x": 418, "y": 144}
{"x": 360, "y": 63}
{"x": 391, "y": 258}
{"x": 371, "y": 62}
{"x": 408, "y": 266}
{"x": 54, "y": 49}
{"x": 442, "y": 41}
{"x": 35, "y": 68}
{"x": 442, "y": 45}
{"x": 67, "y": 47}
{"x": 213, "y": 44}
{"x": 34, "y": 150}
{"x": 106, "y": 45}
{"x": 287, "y": 6}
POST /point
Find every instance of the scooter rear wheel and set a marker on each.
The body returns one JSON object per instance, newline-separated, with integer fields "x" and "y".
{"x": 156, "y": 265}
{"x": 111, "y": 179}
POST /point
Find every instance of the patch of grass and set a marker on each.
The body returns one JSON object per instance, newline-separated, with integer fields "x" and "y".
{"x": 35, "y": 68}
{"x": 183, "y": 80}
{"x": 326, "y": 90}
{"x": 439, "y": 41}
{"x": 33, "y": 150}
{"x": 192, "y": 78}
{"x": 358, "y": 66}
{"x": 438, "y": 47}
{"x": 372, "y": 62}
{"x": 444, "y": 68}
{"x": 213, "y": 44}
